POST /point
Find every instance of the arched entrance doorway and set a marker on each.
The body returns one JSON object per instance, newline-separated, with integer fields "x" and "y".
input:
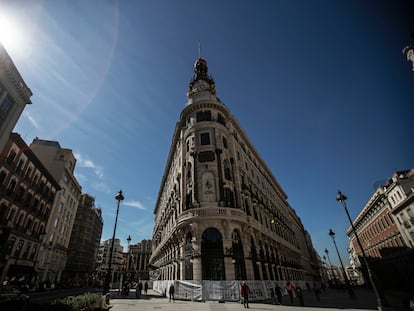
{"x": 212, "y": 256}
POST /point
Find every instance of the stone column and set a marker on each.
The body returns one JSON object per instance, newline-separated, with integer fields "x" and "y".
{"x": 197, "y": 272}
{"x": 228, "y": 265}
{"x": 259, "y": 266}
{"x": 249, "y": 268}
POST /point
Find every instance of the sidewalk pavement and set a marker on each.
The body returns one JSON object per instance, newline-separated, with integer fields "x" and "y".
{"x": 329, "y": 300}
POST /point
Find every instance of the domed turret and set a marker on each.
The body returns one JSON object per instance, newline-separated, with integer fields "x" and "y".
{"x": 201, "y": 73}
{"x": 200, "y": 68}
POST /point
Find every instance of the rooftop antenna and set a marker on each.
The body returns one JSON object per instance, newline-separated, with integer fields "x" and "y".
{"x": 199, "y": 49}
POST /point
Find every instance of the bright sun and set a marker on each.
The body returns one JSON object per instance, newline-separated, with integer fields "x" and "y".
{"x": 9, "y": 33}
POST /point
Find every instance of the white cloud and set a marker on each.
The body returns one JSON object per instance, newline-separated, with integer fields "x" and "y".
{"x": 89, "y": 164}
{"x": 101, "y": 186}
{"x": 134, "y": 204}
{"x": 32, "y": 120}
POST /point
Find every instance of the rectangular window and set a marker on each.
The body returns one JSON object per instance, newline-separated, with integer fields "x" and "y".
{"x": 203, "y": 116}
{"x": 224, "y": 142}
{"x": 5, "y": 105}
{"x": 205, "y": 139}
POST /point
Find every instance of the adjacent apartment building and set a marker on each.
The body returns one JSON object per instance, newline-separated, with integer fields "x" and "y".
{"x": 385, "y": 227}
{"x": 14, "y": 96}
{"x": 61, "y": 164}
{"x": 220, "y": 212}
{"x": 27, "y": 193}
{"x": 118, "y": 266}
{"x": 84, "y": 244}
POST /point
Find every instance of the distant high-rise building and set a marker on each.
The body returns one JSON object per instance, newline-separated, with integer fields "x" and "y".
{"x": 14, "y": 96}
{"x": 138, "y": 260}
{"x": 220, "y": 213}
{"x": 84, "y": 243}
{"x": 61, "y": 164}
{"x": 27, "y": 193}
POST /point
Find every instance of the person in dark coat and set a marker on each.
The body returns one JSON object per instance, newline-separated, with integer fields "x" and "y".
{"x": 146, "y": 287}
{"x": 299, "y": 294}
{"x": 171, "y": 292}
{"x": 278, "y": 292}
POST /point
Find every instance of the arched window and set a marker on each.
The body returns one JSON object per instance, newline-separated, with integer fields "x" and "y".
{"x": 212, "y": 256}
{"x": 11, "y": 186}
{"x": 227, "y": 170}
{"x": 2, "y": 177}
{"x": 10, "y": 157}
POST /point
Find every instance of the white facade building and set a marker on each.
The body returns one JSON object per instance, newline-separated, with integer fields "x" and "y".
{"x": 400, "y": 194}
{"x": 220, "y": 212}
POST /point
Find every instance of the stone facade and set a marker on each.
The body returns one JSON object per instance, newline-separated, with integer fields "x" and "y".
{"x": 84, "y": 243}
{"x": 138, "y": 260}
{"x": 118, "y": 261}
{"x": 14, "y": 96}
{"x": 385, "y": 227}
{"x": 400, "y": 194}
{"x": 220, "y": 212}
{"x": 61, "y": 164}
{"x": 27, "y": 193}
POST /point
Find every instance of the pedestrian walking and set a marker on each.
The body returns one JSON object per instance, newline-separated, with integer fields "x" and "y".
{"x": 146, "y": 287}
{"x": 138, "y": 290}
{"x": 289, "y": 288}
{"x": 317, "y": 291}
{"x": 171, "y": 292}
{"x": 244, "y": 292}
{"x": 299, "y": 294}
{"x": 278, "y": 292}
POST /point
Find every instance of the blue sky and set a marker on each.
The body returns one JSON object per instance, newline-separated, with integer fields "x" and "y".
{"x": 320, "y": 87}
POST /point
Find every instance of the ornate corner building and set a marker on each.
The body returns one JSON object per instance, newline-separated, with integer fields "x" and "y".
{"x": 220, "y": 213}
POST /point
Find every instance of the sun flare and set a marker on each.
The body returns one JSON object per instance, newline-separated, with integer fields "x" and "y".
{"x": 9, "y": 33}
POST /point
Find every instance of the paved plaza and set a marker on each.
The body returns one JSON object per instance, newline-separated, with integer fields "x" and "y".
{"x": 329, "y": 300}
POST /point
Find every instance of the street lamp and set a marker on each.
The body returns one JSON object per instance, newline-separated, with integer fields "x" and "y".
{"x": 128, "y": 251}
{"x": 330, "y": 265}
{"x": 348, "y": 285}
{"x": 382, "y": 303}
{"x": 119, "y": 197}
{"x": 128, "y": 254}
